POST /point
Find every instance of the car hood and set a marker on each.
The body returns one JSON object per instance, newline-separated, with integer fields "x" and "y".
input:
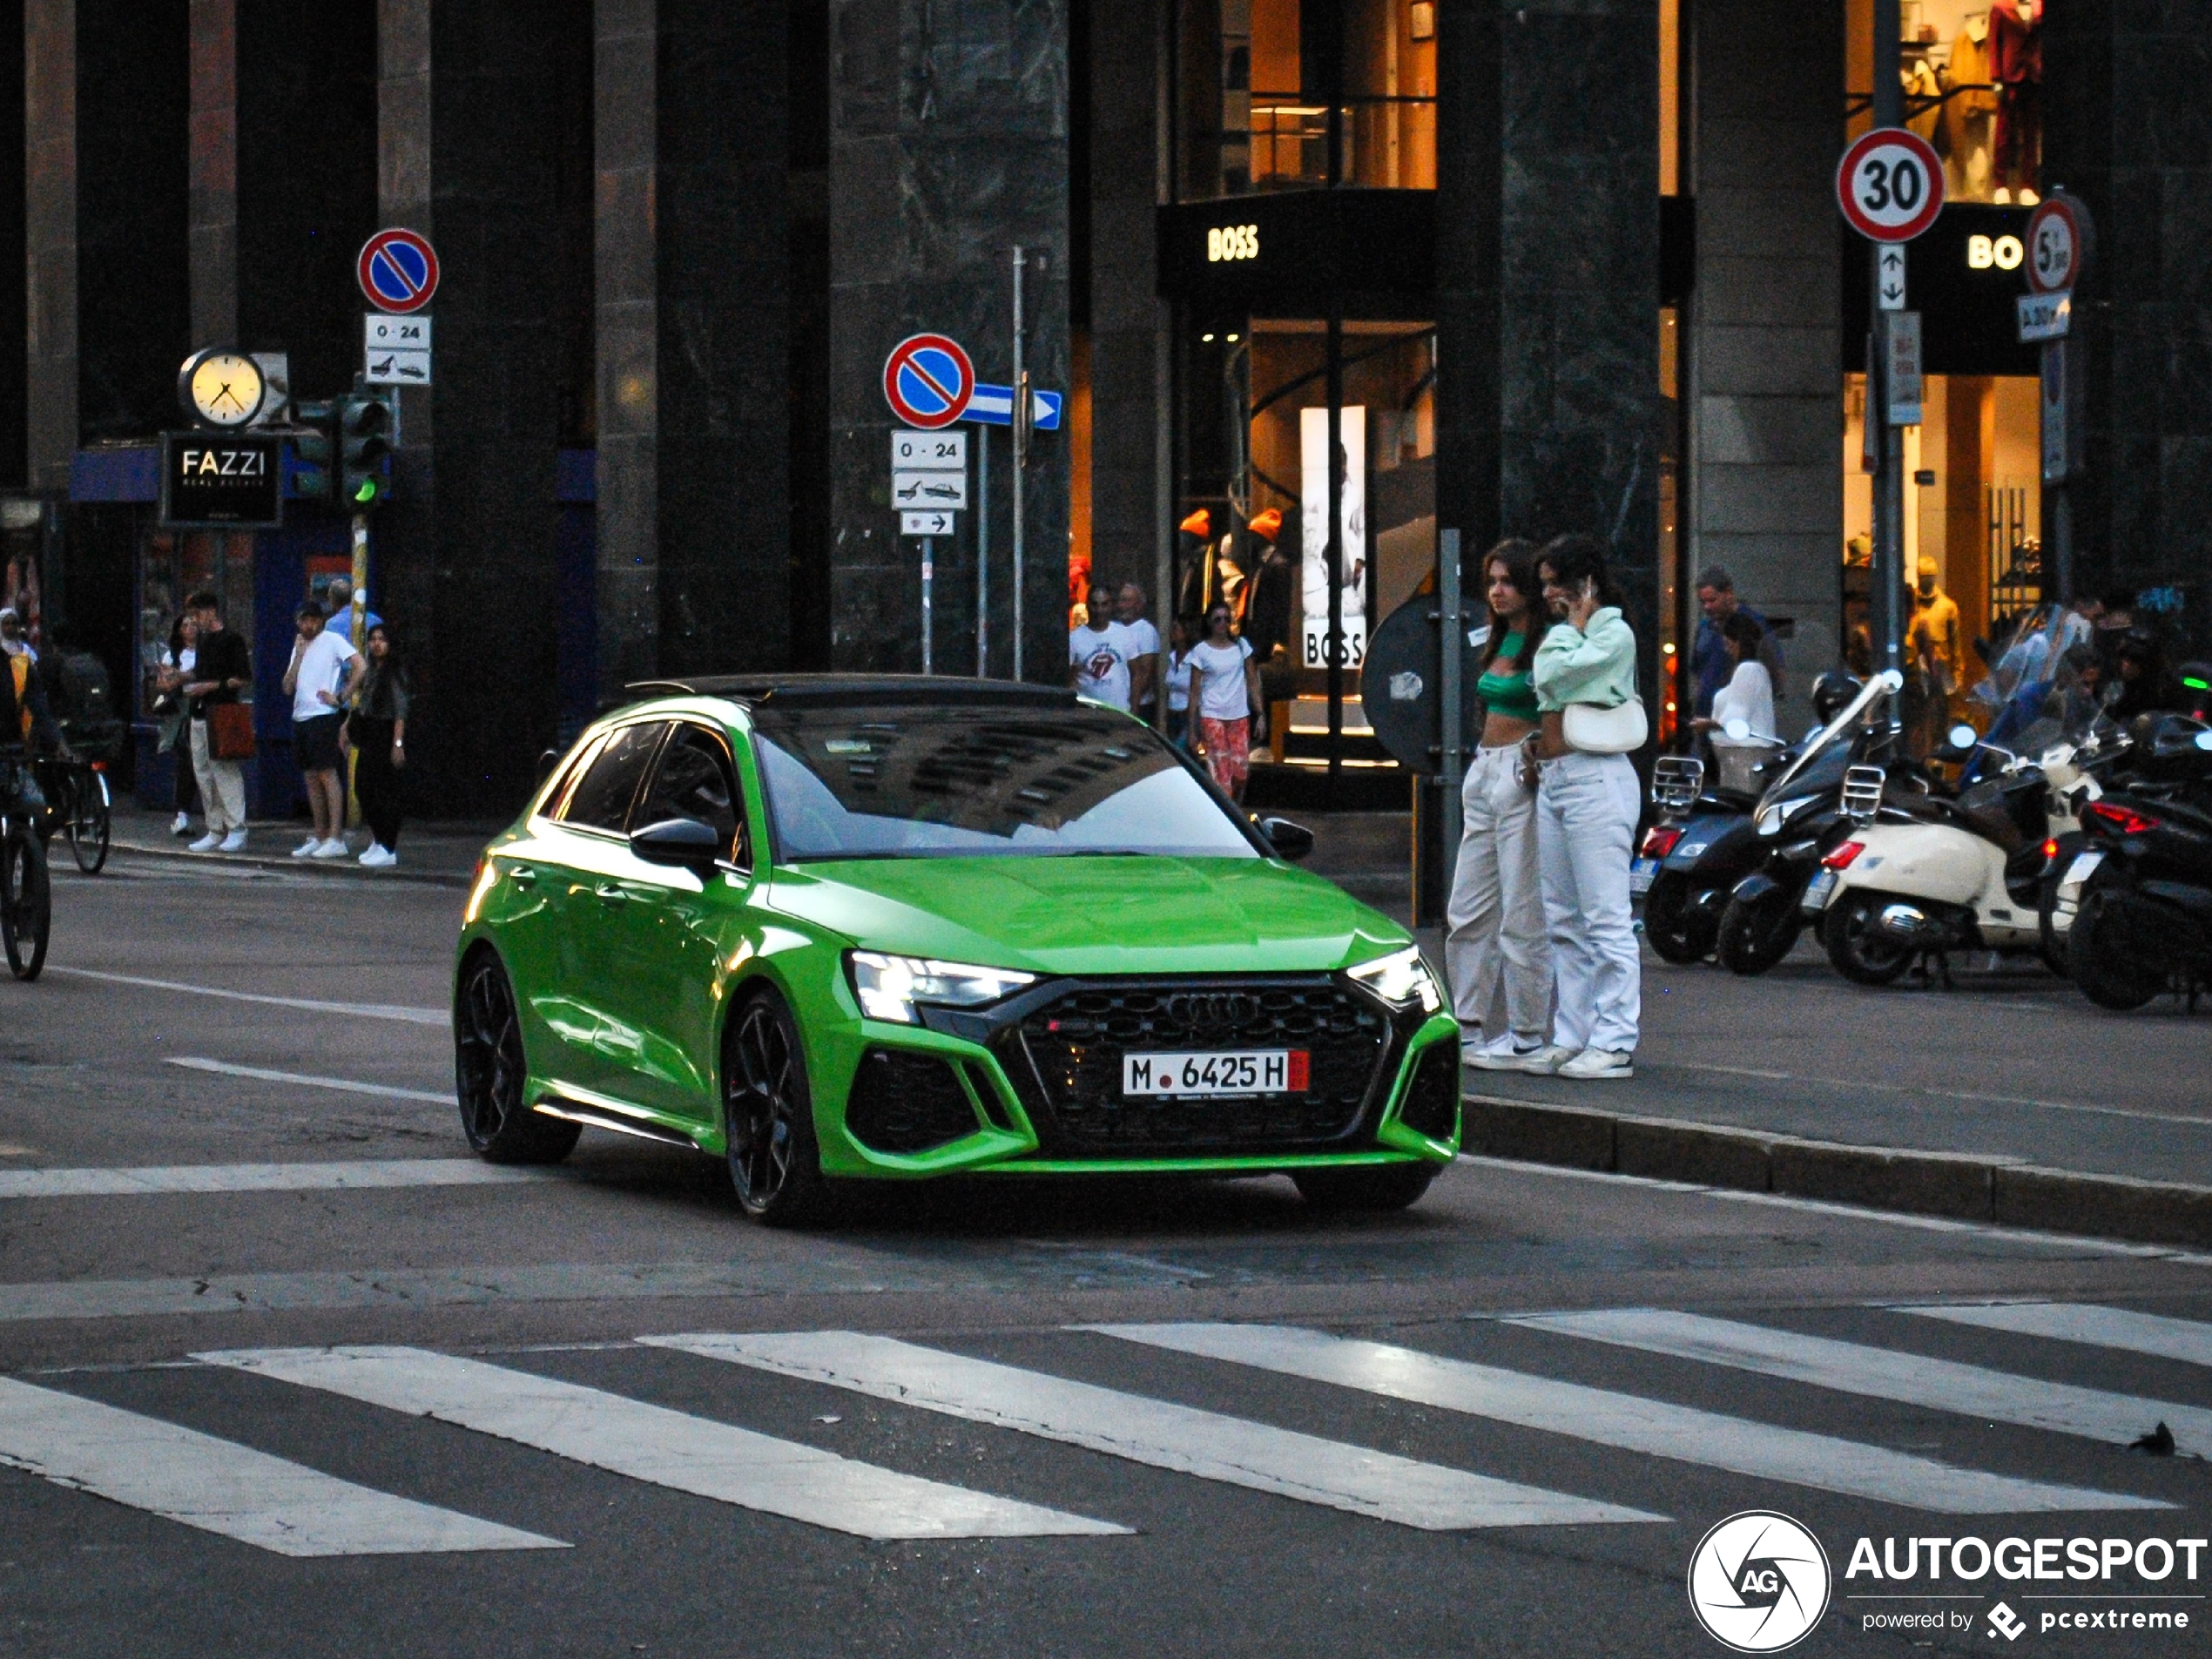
{"x": 1092, "y": 914}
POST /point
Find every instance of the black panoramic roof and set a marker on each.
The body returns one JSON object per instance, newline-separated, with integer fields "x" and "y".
{"x": 813, "y": 689}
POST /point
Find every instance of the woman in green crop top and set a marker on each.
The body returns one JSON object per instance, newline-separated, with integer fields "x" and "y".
{"x": 1494, "y": 952}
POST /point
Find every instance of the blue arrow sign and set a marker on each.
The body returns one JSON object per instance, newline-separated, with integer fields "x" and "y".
{"x": 994, "y": 405}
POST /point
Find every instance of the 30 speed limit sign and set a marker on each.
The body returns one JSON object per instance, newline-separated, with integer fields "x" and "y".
{"x": 1889, "y": 184}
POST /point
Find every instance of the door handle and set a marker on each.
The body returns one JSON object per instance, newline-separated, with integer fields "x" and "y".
{"x": 610, "y": 893}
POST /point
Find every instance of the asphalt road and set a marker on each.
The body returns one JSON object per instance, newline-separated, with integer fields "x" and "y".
{"x": 311, "y": 1381}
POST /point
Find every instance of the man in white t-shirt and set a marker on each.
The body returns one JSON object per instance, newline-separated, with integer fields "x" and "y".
{"x": 324, "y": 671}
{"x": 1144, "y": 648}
{"x": 1099, "y": 653}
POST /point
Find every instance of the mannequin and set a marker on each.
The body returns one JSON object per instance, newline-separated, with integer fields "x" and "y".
{"x": 1938, "y": 651}
{"x": 2016, "y": 64}
{"x": 1966, "y": 134}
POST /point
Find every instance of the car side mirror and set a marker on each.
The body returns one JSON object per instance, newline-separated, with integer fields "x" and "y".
{"x": 546, "y": 762}
{"x": 682, "y": 843}
{"x": 1291, "y": 841}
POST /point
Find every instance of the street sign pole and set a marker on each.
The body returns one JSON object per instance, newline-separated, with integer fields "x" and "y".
{"x": 982, "y": 553}
{"x": 2059, "y": 238}
{"x": 928, "y": 573}
{"x": 1451, "y": 633}
{"x": 1888, "y": 573}
{"x": 1020, "y": 452}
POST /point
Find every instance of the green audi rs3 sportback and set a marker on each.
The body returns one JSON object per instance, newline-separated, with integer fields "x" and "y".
{"x": 833, "y": 928}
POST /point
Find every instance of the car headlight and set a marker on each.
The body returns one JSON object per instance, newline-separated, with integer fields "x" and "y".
{"x": 1401, "y": 980}
{"x": 889, "y": 987}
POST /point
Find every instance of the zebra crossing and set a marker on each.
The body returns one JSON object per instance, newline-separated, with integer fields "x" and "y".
{"x": 52, "y": 1430}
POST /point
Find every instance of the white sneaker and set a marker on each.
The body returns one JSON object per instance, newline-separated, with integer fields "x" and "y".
{"x": 183, "y": 825}
{"x": 1500, "y": 1056}
{"x": 1594, "y": 1063}
{"x": 306, "y": 848}
{"x": 334, "y": 847}
{"x": 234, "y": 842}
{"x": 377, "y": 859}
{"x": 207, "y": 843}
{"x": 1542, "y": 1060}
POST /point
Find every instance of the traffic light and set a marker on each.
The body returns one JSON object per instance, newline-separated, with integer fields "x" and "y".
{"x": 315, "y": 451}
{"x": 365, "y": 450}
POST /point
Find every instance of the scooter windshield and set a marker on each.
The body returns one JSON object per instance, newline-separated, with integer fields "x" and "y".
{"x": 1848, "y": 720}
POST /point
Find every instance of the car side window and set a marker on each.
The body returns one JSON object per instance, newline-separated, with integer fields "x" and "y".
{"x": 601, "y": 797}
{"x": 695, "y": 780}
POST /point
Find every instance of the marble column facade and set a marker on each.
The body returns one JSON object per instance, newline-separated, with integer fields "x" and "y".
{"x": 693, "y": 326}
{"x": 1548, "y": 278}
{"x": 2128, "y": 129}
{"x": 948, "y": 145}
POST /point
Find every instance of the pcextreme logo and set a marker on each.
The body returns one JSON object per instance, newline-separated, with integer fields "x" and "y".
{"x": 1758, "y": 1581}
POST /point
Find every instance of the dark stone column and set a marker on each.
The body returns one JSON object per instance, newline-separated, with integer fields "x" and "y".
{"x": 213, "y": 236}
{"x": 948, "y": 146}
{"x": 1765, "y": 373}
{"x": 15, "y": 319}
{"x": 2128, "y": 128}
{"x": 472, "y": 101}
{"x": 1126, "y": 321}
{"x": 1549, "y": 324}
{"x": 695, "y": 539}
{"x": 50, "y": 239}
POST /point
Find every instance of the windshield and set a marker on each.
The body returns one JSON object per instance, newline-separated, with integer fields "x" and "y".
{"x": 920, "y": 781}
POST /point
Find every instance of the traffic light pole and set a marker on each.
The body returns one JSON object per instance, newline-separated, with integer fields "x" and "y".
{"x": 1887, "y": 618}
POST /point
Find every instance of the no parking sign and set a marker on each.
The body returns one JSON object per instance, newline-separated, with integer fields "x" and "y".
{"x": 928, "y": 379}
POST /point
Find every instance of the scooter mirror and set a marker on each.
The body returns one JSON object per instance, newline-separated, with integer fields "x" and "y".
{"x": 1737, "y": 729}
{"x": 1964, "y": 736}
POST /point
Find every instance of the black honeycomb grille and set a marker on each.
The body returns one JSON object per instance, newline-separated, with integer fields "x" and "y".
{"x": 907, "y": 1102}
{"x": 1066, "y": 1060}
{"x": 1432, "y": 1104}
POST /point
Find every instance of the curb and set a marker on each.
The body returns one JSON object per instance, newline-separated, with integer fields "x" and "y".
{"x": 335, "y": 869}
{"x": 1960, "y": 1186}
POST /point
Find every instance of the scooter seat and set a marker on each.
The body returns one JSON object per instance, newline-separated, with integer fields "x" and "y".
{"x": 1989, "y": 825}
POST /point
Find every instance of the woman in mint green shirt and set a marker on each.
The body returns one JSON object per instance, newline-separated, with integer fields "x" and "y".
{"x": 1587, "y": 806}
{"x": 1494, "y": 954}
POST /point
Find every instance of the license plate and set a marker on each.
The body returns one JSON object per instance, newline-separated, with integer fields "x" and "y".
{"x": 1817, "y": 892}
{"x": 2068, "y": 898}
{"x": 1245, "y": 1071}
{"x": 1640, "y": 874}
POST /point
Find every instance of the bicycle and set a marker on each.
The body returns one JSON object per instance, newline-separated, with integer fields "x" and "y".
{"x": 26, "y": 892}
{"x": 78, "y": 806}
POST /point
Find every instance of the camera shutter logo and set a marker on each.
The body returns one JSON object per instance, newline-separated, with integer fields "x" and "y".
{"x": 1758, "y": 1581}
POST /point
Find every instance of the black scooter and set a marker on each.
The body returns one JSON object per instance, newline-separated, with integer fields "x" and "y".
{"x": 2144, "y": 924}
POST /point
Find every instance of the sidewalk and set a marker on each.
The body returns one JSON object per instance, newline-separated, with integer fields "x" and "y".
{"x": 440, "y": 854}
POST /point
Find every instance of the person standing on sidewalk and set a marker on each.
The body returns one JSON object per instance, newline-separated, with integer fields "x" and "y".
{"x": 1099, "y": 653}
{"x": 173, "y": 717}
{"x": 324, "y": 669}
{"x": 1231, "y": 715}
{"x": 1144, "y": 647}
{"x": 223, "y": 668}
{"x": 377, "y": 730}
{"x": 1587, "y": 807}
{"x": 1495, "y": 951}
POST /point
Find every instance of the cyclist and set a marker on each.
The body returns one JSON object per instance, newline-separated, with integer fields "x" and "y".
{"x": 25, "y": 722}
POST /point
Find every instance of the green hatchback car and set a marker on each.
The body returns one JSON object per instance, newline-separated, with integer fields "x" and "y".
{"x": 833, "y": 929}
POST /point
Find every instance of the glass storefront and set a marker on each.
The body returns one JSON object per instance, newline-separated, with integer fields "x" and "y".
{"x": 1973, "y": 88}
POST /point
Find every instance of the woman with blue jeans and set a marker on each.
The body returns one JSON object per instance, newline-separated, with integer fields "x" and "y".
{"x": 1587, "y": 806}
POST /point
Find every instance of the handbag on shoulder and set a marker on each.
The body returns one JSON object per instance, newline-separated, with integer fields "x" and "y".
{"x": 1593, "y": 731}
{"x": 230, "y": 731}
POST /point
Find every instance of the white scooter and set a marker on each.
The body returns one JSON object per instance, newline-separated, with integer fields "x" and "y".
{"x": 1922, "y": 875}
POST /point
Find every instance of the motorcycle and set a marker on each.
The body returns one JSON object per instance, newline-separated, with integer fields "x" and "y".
{"x": 1800, "y": 816}
{"x": 1687, "y": 861}
{"x": 2143, "y": 876}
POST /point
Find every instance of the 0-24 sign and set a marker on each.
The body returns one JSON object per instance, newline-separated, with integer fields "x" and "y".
{"x": 1889, "y": 184}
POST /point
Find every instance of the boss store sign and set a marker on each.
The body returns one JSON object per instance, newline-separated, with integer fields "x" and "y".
{"x": 1290, "y": 252}
{"x": 1964, "y": 276}
{"x": 221, "y": 481}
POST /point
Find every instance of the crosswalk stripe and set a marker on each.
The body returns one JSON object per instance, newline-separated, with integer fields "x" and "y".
{"x": 1157, "y": 1432}
{"x": 310, "y": 1079}
{"x": 221, "y": 1487}
{"x": 1884, "y": 1374}
{"x": 155, "y": 1180}
{"x": 351, "y": 1010}
{"x": 1627, "y": 1421}
{"x": 664, "y": 1447}
{"x": 2124, "y": 1328}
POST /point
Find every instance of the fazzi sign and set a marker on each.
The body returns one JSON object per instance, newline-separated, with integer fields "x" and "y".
{"x": 216, "y": 483}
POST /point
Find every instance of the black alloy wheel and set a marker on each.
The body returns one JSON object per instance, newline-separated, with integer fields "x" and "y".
{"x": 90, "y": 823}
{"x": 1680, "y": 935}
{"x": 1755, "y": 936}
{"x": 2099, "y": 957}
{"x": 490, "y": 1073}
{"x": 1860, "y": 952}
{"x": 1373, "y": 1187}
{"x": 26, "y": 901}
{"x": 768, "y": 1117}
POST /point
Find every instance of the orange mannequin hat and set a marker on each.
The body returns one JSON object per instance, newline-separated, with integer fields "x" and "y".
{"x": 1269, "y": 524}
{"x": 1199, "y": 524}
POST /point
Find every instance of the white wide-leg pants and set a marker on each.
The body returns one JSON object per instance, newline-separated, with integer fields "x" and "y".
{"x": 1494, "y": 952}
{"x": 1586, "y": 822}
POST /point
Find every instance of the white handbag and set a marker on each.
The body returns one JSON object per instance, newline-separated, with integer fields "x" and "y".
{"x": 1593, "y": 731}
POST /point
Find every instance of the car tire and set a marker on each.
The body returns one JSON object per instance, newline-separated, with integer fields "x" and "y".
{"x": 491, "y": 1077}
{"x": 1679, "y": 937}
{"x": 1754, "y": 937}
{"x": 768, "y": 1117}
{"x": 1854, "y": 949}
{"x": 1377, "y": 1187}
{"x": 2099, "y": 962}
